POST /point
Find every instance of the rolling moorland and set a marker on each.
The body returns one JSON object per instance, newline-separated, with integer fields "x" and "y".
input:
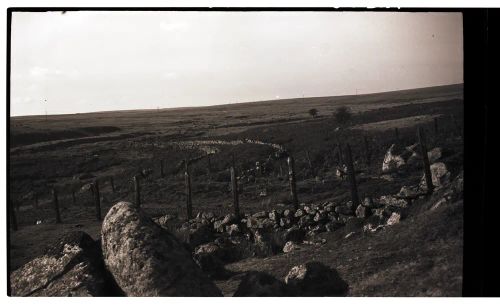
{"x": 421, "y": 255}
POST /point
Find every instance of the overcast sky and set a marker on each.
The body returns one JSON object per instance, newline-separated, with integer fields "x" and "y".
{"x": 95, "y": 61}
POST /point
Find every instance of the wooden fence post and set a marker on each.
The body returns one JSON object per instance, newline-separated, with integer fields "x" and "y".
{"x": 293, "y": 184}
{"x": 396, "y": 133}
{"x": 309, "y": 162}
{"x": 234, "y": 183}
{"x": 425, "y": 160}
{"x": 137, "y": 190}
{"x": 187, "y": 182}
{"x": 97, "y": 200}
{"x": 352, "y": 177}
{"x": 112, "y": 182}
{"x": 367, "y": 150}
{"x": 56, "y": 205}
{"x": 340, "y": 155}
{"x": 13, "y": 216}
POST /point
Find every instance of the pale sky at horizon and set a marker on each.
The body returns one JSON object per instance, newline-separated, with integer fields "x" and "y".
{"x": 100, "y": 61}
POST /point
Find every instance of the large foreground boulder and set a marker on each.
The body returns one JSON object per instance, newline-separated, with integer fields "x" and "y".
{"x": 147, "y": 260}
{"x": 316, "y": 279}
{"x": 71, "y": 267}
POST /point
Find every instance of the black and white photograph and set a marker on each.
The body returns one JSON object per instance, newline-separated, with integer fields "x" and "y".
{"x": 225, "y": 152}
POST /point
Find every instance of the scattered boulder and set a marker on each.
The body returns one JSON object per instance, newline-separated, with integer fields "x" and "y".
{"x": 371, "y": 228}
{"x": 288, "y": 213}
{"x": 207, "y": 257}
{"x": 167, "y": 221}
{"x": 435, "y": 154}
{"x": 440, "y": 175}
{"x": 320, "y": 216}
{"x": 274, "y": 216}
{"x": 394, "y": 219}
{"x": 259, "y": 284}
{"x": 294, "y": 234}
{"x": 316, "y": 279}
{"x": 233, "y": 229}
{"x": 194, "y": 234}
{"x": 290, "y": 246}
{"x": 299, "y": 213}
{"x": 147, "y": 260}
{"x": 392, "y": 161}
{"x": 389, "y": 200}
{"x": 229, "y": 219}
{"x": 72, "y": 267}
{"x": 362, "y": 211}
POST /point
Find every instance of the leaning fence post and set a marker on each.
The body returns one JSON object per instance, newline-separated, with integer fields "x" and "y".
{"x": 13, "y": 216}
{"x": 367, "y": 150}
{"x": 187, "y": 182}
{"x": 137, "y": 190}
{"x": 425, "y": 160}
{"x": 97, "y": 199}
{"x": 293, "y": 184}
{"x": 234, "y": 182}
{"x": 352, "y": 177}
{"x": 56, "y": 205}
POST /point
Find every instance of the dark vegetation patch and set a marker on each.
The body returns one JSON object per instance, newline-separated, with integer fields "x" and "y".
{"x": 25, "y": 138}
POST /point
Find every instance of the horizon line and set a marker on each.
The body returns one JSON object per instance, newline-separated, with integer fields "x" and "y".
{"x": 231, "y": 103}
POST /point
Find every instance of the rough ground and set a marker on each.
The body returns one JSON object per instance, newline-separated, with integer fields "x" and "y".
{"x": 420, "y": 256}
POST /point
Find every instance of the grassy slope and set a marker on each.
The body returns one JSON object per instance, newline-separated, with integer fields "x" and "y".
{"x": 421, "y": 256}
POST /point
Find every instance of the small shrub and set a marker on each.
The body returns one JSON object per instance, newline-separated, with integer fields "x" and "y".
{"x": 342, "y": 115}
{"x": 313, "y": 112}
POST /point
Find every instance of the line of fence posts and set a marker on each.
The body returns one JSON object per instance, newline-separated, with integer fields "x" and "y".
{"x": 352, "y": 177}
{"x": 234, "y": 181}
{"x": 234, "y": 185}
{"x": 137, "y": 191}
{"x": 425, "y": 160}
{"x": 187, "y": 182}
{"x": 55, "y": 201}
{"x": 293, "y": 184}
